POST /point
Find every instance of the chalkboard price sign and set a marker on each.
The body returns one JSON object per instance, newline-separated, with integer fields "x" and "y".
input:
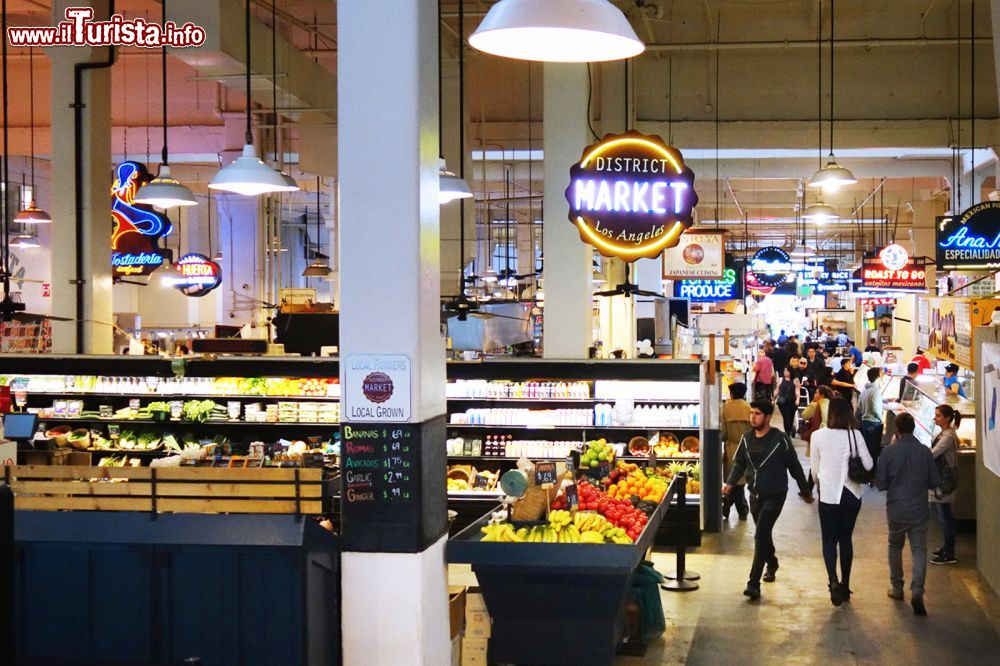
{"x": 387, "y": 502}
{"x": 545, "y": 473}
{"x": 378, "y": 465}
{"x": 481, "y": 481}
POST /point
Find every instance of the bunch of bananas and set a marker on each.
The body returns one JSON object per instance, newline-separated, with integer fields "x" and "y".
{"x": 616, "y": 535}
{"x": 591, "y": 522}
{"x": 504, "y": 532}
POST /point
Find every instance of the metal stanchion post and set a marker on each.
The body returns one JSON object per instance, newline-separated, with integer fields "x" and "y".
{"x": 682, "y": 580}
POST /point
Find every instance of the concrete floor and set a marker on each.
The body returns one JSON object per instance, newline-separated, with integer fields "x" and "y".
{"x": 794, "y": 622}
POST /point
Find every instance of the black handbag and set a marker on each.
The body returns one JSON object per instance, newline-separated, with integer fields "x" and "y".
{"x": 856, "y": 471}
{"x": 948, "y": 476}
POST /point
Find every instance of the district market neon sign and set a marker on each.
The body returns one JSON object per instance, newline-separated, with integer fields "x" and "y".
{"x": 631, "y": 196}
{"x": 136, "y": 229}
{"x": 196, "y": 275}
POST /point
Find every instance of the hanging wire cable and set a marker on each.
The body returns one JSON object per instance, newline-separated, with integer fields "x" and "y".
{"x": 718, "y": 184}
{"x": 832, "y": 2}
{"x": 819, "y": 85}
{"x": 590, "y": 99}
{"x": 974, "y": 191}
{"x": 5, "y": 268}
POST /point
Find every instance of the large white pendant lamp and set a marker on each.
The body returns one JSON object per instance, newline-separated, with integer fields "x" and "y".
{"x": 247, "y": 174}
{"x": 557, "y": 31}
{"x": 452, "y": 186}
{"x": 32, "y": 214}
{"x": 163, "y": 191}
{"x": 832, "y": 176}
{"x": 820, "y": 212}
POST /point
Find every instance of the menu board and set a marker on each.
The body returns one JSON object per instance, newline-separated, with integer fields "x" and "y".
{"x": 387, "y": 504}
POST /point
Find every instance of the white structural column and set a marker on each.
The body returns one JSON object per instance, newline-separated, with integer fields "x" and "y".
{"x": 395, "y": 605}
{"x": 568, "y": 260}
{"x": 92, "y": 247}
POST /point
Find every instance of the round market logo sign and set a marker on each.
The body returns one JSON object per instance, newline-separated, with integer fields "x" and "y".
{"x": 196, "y": 276}
{"x": 770, "y": 267}
{"x": 631, "y": 196}
{"x": 377, "y": 387}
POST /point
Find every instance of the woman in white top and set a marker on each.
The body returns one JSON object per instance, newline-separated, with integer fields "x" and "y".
{"x": 839, "y": 497}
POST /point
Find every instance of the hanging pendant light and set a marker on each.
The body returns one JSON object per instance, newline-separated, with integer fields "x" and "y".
{"x": 25, "y": 240}
{"x": 163, "y": 191}
{"x": 318, "y": 268}
{"x": 557, "y": 31}
{"x": 832, "y": 176}
{"x": 452, "y": 186}
{"x": 247, "y": 174}
{"x": 32, "y": 214}
{"x": 819, "y": 212}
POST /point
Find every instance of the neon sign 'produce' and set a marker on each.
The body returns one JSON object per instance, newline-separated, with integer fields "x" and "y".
{"x": 136, "y": 228}
{"x": 709, "y": 291}
{"x": 631, "y": 196}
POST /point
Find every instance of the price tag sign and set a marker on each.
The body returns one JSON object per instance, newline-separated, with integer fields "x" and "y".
{"x": 113, "y": 429}
{"x": 572, "y": 499}
{"x": 651, "y": 461}
{"x": 481, "y": 481}
{"x": 545, "y": 474}
{"x": 106, "y": 411}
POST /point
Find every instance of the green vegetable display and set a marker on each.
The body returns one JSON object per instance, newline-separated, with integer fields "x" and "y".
{"x": 198, "y": 410}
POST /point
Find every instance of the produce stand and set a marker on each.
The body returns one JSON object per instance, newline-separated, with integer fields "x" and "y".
{"x": 142, "y": 566}
{"x": 554, "y": 603}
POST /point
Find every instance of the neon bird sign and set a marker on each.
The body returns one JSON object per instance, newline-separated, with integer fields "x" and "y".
{"x": 631, "y": 196}
{"x": 136, "y": 229}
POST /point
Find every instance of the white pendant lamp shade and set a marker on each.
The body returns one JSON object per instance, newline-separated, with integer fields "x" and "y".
{"x": 32, "y": 215}
{"x": 557, "y": 31}
{"x": 248, "y": 176}
{"x": 452, "y": 187}
{"x": 165, "y": 192}
{"x": 819, "y": 212}
{"x": 25, "y": 241}
{"x": 802, "y": 251}
{"x": 290, "y": 184}
{"x": 317, "y": 269}
{"x": 832, "y": 176}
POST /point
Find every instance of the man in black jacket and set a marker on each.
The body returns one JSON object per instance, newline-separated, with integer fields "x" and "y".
{"x": 766, "y": 457}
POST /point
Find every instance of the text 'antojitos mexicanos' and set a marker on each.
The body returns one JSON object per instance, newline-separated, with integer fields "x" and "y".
{"x": 631, "y": 196}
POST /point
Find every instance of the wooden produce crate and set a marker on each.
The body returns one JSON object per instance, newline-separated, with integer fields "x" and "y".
{"x": 167, "y": 489}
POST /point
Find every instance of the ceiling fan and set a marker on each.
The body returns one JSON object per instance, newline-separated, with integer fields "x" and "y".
{"x": 627, "y": 288}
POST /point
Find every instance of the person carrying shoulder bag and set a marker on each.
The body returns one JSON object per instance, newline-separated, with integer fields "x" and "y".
{"x": 840, "y": 464}
{"x": 944, "y": 448}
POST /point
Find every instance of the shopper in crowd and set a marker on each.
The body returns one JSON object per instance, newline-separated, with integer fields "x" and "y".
{"x": 766, "y": 457}
{"x": 782, "y": 338}
{"x": 870, "y": 407}
{"x": 842, "y": 338}
{"x": 856, "y": 355}
{"x": 735, "y": 424}
{"x": 922, "y": 360}
{"x": 912, "y": 372}
{"x": 843, "y": 381}
{"x": 817, "y": 413}
{"x": 944, "y": 448}
{"x": 763, "y": 377}
{"x": 872, "y": 346}
{"x": 779, "y": 357}
{"x": 806, "y": 377}
{"x": 951, "y": 383}
{"x": 810, "y": 344}
{"x": 839, "y": 496}
{"x": 786, "y": 395}
{"x": 906, "y": 472}
{"x": 817, "y": 366}
{"x": 793, "y": 347}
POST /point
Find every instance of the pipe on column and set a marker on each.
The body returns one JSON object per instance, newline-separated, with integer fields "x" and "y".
{"x": 78, "y": 106}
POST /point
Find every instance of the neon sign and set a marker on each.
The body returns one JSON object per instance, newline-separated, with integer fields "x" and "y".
{"x": 196, "y": 275}
{"x": 631, "y": 196}
{"x": 136, "y": 228}
{"x": 709, "y": 291}
{"x": 770, "y": 266}
{"x": 877, "y": 276}
{"x": 970, "y": 240}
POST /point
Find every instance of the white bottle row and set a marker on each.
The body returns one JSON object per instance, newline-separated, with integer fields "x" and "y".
{"x": 602, "y": 415}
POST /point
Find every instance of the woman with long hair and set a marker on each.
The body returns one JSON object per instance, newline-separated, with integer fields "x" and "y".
{"x": 944, "y": 448}
{"x": 787, "y": 397}
{"x": 839, "y": 496}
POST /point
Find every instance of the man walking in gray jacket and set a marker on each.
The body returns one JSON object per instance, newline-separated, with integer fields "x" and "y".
{"x": 906, "y": 471}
